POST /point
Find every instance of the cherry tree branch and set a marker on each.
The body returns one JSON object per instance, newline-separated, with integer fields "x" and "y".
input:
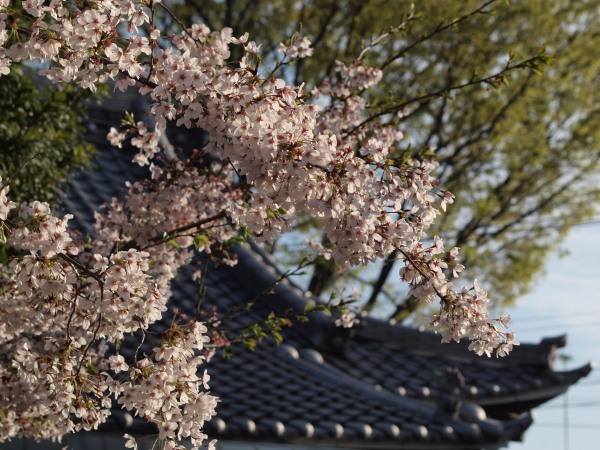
{"x": 439, "y": 29}
{"x": 395, "y": 29}
{"x": 490, "y": 80}
{"x": 172, "y": 233}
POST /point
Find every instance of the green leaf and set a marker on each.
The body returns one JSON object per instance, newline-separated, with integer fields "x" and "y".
{"x": 200, "y": 240}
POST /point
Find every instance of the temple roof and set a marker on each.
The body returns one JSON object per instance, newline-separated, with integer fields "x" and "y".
{"x": 376, "y": 385}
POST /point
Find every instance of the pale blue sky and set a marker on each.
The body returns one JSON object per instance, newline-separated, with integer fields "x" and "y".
{"x": 567, "y": 301}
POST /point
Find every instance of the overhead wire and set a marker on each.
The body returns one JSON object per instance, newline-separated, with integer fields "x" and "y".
{"x": 572, "y": 425}
{"x": 584, "y": 313}
{"x": 586, "y": 404}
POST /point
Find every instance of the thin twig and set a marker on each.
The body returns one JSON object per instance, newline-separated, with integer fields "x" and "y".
{"x": 176, "y": 19}
{"x": 72, "y": 314}
{"x": 6, "y": 182}
{"x": 81, "y": 267}
{"x": 63, "y": 256}
{"x": 423, "y": 274}
{"x": 161, "y": 237}
{"x": 201, "y": 287}
{"x": 439, "y": 29}
{"x": 151, "y": 63}
{"x": 135, "y": 355}
{"x": 440, "y": 92}
{"x": 87, "y": 347}
{"x": 234, "y": 168}
{"x": 401, "y": 26}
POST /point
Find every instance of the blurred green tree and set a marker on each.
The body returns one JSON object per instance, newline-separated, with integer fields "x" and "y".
{"x": 535, "y": 137}
{"x": 41, "y": 136}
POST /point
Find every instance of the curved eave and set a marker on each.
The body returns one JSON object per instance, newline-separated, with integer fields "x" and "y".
{"x": 506, "y": 405}
{"x": 513, "y": 430}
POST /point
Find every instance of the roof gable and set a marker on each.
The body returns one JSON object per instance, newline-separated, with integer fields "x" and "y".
{"x": 378, "y": 384}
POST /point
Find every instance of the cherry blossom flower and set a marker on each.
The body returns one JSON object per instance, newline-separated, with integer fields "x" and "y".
{"x": 66, "y": 302}
{"x": 5, "y": 204}
{"x": 347, "y": 320}
{"x": 299, "y": 47}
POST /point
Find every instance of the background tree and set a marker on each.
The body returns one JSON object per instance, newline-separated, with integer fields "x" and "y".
{"x": 41, "y": 139}
{"x": 41, "y": 136}
{"x": 70, "y": 301}
{"x": 534, "y": 136}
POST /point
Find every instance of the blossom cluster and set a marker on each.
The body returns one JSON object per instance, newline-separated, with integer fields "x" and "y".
{"x": 68, "y": 301}
{"x": 298, "y": 47}
{"x": 5, "y": 204}
{"x": 64, "y": 307}
{"x": 347, "y": 319}
{"x": 51, "y": 232}
{"x": 461, "y": 313}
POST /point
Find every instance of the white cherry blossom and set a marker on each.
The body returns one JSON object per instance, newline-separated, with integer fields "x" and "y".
{"x": 67, "y": 303}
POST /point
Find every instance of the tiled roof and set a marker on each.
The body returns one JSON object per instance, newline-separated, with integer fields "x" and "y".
{"x": 379, "y": 385}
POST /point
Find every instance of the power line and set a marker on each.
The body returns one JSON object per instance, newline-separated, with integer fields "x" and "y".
{"x": 589, "y": 222}
{"x": 586, "y": 383}
{"x": 593, "y": 312}
{"x": 572, "y": 425}
{"x": 578, "y": 324}
{"x": 575, "y": 405}
{"x": 592, "y": 222}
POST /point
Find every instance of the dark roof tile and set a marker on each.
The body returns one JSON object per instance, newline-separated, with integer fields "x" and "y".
{"x": 309, "y": 389}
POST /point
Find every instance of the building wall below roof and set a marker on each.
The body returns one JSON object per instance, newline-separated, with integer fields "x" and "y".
{"x": 115, "y": 441}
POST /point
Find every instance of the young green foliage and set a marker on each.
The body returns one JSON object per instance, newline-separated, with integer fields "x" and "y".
{"x": 531, "y": 133}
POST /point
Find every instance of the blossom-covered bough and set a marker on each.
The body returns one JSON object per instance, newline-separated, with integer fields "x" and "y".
{"x": 67, "y": 300}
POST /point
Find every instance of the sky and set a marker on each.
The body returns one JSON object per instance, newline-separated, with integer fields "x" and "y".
{"x": 567, "y": 301}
